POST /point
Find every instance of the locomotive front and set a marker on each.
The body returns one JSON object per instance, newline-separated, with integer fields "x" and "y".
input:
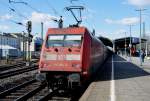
{"x": 61, "y": 57}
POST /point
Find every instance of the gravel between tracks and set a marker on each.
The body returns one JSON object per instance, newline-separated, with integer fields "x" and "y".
{"x": 7, "y": 83}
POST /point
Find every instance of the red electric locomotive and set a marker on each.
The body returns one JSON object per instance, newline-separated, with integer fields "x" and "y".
{"x": 70, "y": 56}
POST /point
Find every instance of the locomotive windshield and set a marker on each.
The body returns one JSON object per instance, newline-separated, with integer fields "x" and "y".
{"x": 64, "y": 40}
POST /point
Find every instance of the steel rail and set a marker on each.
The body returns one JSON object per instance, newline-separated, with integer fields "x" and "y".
{"x": 16, "y": 72}
{"x": 49, "y": 95}
{"x": 3, "y": 68}
{"x": 6, "y": 92}
{"x": 31, "y": 93}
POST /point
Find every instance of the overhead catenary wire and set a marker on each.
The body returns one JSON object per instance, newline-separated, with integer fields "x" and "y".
{"x": 11, "y": 1}
{"x": 18, "y": 13}
{"x": 25, "y": 3}
{"x": 33, "y": 8}
{"x": 53, "y": 9}
{"x": 16, "y": 22}
{"x": 13, "y": 10}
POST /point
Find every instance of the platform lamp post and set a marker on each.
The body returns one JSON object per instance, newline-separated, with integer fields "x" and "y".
{"x": 144, "y": 37}
{"x": 130, "y": 45}
{"x": 140, "y": 10}
{"x": 144, "y": 31}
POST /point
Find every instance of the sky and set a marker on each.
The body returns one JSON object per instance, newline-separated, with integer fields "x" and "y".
{"x": 109, "y": 18}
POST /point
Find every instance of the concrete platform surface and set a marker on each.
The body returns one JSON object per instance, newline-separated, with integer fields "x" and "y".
{"x": 136, "y": 60}
{"x": 120, "y": 80}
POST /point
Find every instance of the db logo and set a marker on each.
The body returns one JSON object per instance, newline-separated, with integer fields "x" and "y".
{"x": 61, "y": 57}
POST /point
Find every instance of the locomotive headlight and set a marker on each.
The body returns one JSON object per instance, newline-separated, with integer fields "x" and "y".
{"x": 73, "y": 57}
{"x": 51, "y": 57}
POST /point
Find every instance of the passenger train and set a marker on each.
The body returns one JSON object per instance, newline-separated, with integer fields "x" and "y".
{"x": 70, "y": 56}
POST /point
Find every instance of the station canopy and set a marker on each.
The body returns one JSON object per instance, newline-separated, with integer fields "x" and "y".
{"x": 121, "y": 41}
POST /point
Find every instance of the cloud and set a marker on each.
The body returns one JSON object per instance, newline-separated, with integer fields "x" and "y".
{"x": 112, "y": 35}
{"x": 139, "y": 3}
{"x": 129, "y": 21}
{"x": 41, "y": 17}
{"x": 4, "y": 27}
{"x": 101, "y": 33}
{"x": 118, "y": 34}
{"x": 120, "y": 31}
{"x": 147, "y": 32}
{"x": 124, "y": 21}
{"x": 5, "y": 17}
{"x": 37, "y": 18}
{"x": 110, "y": 21}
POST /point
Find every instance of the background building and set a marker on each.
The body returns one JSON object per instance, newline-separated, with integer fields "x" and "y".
{"x": 16, "y": 44}
{"x": 9, "y": 45}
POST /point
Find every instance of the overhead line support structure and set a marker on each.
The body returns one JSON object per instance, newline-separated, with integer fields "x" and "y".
{"x": 140, "y": 10}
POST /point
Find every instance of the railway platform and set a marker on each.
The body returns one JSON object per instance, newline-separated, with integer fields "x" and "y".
{"x": 120, "y": 80}
{"x": 136, "y": 60}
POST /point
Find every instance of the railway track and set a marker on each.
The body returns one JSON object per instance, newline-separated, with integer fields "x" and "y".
{"x": 16, "y": 71}
{"x": 4, "y": 68}
{"x": 9, "y": 67}
{"x": 22, "y": 92}
{"x": 31, "y": 91}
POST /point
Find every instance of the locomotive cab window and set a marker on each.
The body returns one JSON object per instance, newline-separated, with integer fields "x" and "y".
{"x": 55, "y": 40}
{"x": 72, "y": 40}
{"x": 64, "y": 40}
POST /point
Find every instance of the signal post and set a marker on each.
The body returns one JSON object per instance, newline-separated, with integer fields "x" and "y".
{"x": 29, "y": 29}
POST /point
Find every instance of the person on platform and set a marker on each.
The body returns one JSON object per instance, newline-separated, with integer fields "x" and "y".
{"x": 143, "y": 54}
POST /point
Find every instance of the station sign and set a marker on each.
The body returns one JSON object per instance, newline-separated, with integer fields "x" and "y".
{"x": 135, "y": 40}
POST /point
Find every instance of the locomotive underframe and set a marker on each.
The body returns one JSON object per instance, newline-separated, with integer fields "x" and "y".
{"x": 62, "y": 80}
